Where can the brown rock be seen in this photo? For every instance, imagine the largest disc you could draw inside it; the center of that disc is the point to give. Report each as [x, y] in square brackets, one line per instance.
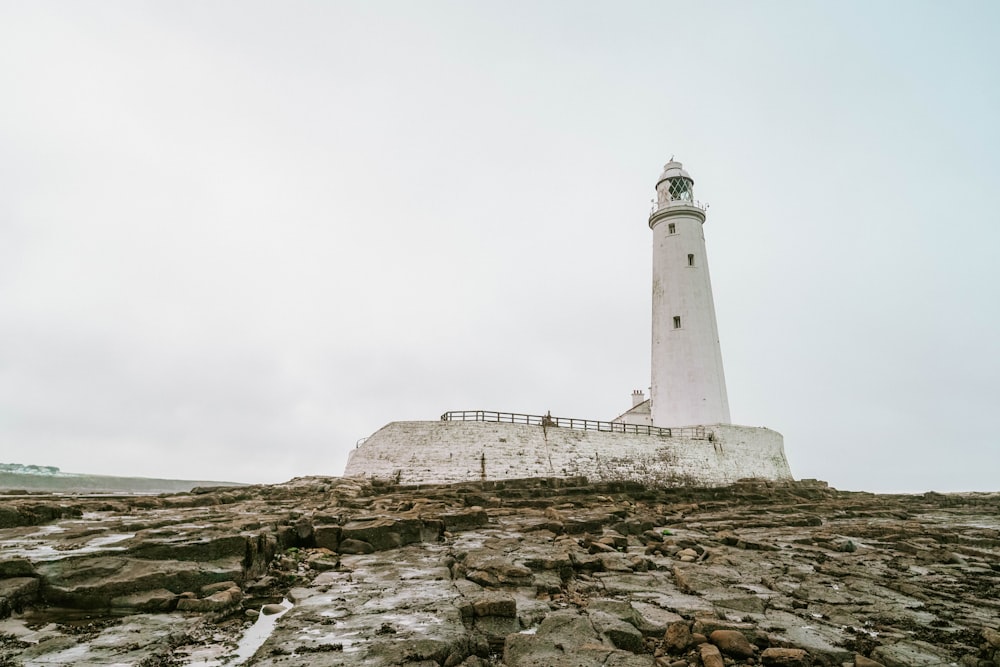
[323, 562]
[710, 656]
[596, 547]
[513, 574]
[687, 555]
[677, 637]
[383, 532]
[862, 661]
[271, 609]
[614, 539]
[473, 517]
[495, 604]
[352, 546]
[785, 657]
[16, 567]
[732, 643]
[483, 578]
[621, 634]
[148, 601]
[327, 537]
[19, 588]
[214, 602]
[992, 637]
[208, 589]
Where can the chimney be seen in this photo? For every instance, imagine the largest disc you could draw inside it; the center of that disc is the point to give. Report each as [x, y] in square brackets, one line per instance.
[637, 397]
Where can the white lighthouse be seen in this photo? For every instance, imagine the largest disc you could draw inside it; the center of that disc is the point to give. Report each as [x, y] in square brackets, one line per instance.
[686, 438]
[688, 384]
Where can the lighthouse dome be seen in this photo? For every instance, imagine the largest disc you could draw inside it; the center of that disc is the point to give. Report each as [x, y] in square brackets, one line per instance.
[673, 169]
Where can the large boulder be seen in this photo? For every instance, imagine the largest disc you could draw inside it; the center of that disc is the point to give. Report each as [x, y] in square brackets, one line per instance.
[466, 519]
[219, 601]
[16, 592]
[384, 532]
[157, 600]
[562, 635]
[677, 637]
[710, 656]
[786, 657]
[16, 567]
[732, 643]
[327, 536]
[494, 604]
[203, 548]
[93, 582]
[622, 635]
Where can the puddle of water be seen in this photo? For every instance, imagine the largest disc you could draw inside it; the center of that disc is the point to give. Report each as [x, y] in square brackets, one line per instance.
[257, 634]
[972, 521]
[35, 550]
[28, 549]
[252, 639]
[99, 542]
[71, 656]
[413, 622]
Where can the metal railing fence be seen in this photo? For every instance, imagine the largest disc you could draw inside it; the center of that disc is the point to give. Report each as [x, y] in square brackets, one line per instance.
[570, 422]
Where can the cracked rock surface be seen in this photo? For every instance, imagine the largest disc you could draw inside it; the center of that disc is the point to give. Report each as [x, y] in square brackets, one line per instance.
[526, 573]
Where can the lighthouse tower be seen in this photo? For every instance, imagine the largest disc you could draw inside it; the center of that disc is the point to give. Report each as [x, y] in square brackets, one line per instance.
[688, 384]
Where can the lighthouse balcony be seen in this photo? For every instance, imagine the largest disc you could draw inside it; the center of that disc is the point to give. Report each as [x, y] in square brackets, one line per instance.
[676, 207]
[677, 203]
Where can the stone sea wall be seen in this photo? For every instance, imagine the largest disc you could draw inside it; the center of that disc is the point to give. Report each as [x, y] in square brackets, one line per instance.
[452, 451]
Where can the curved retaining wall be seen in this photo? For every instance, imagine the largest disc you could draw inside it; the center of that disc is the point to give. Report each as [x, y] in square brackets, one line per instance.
[442, 452]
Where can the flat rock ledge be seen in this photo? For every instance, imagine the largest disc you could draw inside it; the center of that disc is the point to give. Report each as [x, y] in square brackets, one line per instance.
[525, 573]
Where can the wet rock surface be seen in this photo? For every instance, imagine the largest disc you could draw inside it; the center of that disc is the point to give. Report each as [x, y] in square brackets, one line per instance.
[540, 573]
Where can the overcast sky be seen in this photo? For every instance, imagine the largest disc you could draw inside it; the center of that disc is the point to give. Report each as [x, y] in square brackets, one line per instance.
[236, 237]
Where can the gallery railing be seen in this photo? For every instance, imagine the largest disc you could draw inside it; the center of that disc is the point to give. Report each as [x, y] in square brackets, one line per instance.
[657, 206]
[569, 422]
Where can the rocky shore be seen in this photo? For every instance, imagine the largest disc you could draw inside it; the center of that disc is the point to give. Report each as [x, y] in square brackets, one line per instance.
[525, 573]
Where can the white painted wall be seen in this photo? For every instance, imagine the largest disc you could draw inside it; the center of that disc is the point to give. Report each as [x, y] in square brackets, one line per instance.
[688, 383]
[441, 452]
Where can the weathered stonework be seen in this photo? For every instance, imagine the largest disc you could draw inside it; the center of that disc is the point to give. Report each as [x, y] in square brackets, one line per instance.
[441, 452]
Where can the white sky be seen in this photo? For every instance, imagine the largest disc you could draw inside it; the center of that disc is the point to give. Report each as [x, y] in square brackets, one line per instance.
[236, 237]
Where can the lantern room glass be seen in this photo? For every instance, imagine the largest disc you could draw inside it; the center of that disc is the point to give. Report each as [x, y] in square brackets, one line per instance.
[680, 189]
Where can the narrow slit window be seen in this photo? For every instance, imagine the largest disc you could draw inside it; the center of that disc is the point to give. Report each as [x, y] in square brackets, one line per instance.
[690, 260]
[677, 321]
[671, 228]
